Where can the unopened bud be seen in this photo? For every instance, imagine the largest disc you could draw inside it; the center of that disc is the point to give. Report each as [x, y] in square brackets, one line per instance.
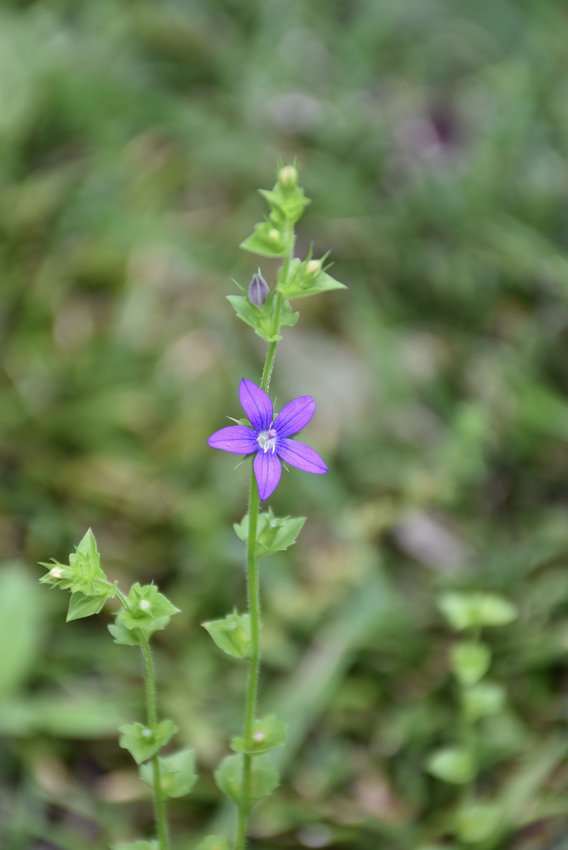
[258, 736]
[56, 572]
[288, 177]
[144, 605]
[313, 267]
[274, 234]
[258, 290]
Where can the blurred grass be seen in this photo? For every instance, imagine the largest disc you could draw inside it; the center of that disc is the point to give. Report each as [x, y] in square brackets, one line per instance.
[432, 139]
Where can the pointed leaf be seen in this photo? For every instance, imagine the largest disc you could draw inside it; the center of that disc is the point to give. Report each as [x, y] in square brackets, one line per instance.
[229, 777]
[142, 742]
[231, 634]
[470, 661]
[84, 606]
[451, 764]
[269, 733]
[268, 241]
[274, 534]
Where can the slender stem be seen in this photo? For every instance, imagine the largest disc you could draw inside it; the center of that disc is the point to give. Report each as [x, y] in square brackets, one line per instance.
[152, 719]
[253, 593]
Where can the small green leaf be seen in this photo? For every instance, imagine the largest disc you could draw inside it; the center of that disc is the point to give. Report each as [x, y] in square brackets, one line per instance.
[136, 845]
[268, 240]
[451, 764]
[229, 777]
[474, 610]
[83, 574]
[124, 636]
[148, 610]
[274, 534]
[177, 773]
[142, 742]
[84, 606]
[286, 205]
[477, 822]
[258, 318]
[231, 634]
[305, 278]
[483, 700]
[213, 842]
[470, 661]
[269, 733]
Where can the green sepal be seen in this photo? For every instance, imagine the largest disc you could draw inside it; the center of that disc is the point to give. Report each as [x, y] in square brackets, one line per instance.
[147, 610]
[269, 733]
[142, 742]
[483, 700]
[229, 777]
[273, 534]
[305, 278]
[83, 574]
[476, 822]
[269, 240]
[451, 764]
[177, 773]
[475, 610]
[136, 845]
[286, 205]
[84, 606]
[213, 842]
[231, 634]
[470, 661]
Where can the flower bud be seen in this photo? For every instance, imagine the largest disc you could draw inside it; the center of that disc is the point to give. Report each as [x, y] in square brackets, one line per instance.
[288, 177]
[258, 290]
[313, 267]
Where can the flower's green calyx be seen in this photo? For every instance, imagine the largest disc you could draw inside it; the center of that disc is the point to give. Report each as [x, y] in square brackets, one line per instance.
[145, 611]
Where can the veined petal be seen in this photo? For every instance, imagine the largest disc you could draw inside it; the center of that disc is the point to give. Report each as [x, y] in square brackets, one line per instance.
[267, 469]
[294, 416]
[237, 439]
[256, 405]
[301, 456]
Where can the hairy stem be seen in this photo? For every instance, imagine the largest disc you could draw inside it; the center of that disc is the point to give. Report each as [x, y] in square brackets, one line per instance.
[253, 595]
[152, 719]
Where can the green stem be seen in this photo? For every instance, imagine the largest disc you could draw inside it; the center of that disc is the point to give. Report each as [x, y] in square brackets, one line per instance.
[253, 594]
[152, 719]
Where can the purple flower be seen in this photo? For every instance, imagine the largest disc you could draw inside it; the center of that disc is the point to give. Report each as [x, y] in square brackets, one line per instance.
[269, 437]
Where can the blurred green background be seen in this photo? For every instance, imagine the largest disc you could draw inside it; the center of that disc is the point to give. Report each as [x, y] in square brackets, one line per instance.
[432, 137]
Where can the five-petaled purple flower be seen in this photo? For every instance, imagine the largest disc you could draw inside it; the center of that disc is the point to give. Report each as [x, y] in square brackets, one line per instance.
[269, 437]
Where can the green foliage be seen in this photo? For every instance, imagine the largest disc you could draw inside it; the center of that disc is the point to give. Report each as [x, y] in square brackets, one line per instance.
[136, 845]
[231, 634]
[274, 534]
[229, 777]
[470, 661]
[307, 278]
[21, 627]
[269, 733]
[177, 773]
[146, 611]
[483, 700]
[262, 318]
[452, 764]
[477, 822]
[475, 610]
[142, 742]
[213, 842]
[268, 241]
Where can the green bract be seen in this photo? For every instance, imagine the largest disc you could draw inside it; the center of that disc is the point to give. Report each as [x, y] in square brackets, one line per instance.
[262, 318]
[269, 733]
[268, 240]
[142, 742]
[146, 611]
[306, 278]
[231, 634]
[177, 773]
[274, 534]
[229, 777]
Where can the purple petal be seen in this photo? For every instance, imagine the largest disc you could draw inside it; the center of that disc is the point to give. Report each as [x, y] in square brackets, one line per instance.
[256, 405]
[267, 469]
[301, 456]
[294, 416]
[237, 439]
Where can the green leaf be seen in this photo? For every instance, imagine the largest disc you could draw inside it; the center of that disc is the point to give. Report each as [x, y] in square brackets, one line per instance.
[484, 699]
[124, 636]
[229, 777]
[177, 773]
[148, 610]
[268, 240]
[474, 610]
[269, 733]
[231, 634]
[136, 845]
[213, 842]
[286, 205]
[21, 625]
[274, 534]
[84, 606]
[142, 742]
[259, 318]
[451, 764]
[477, 822]
[83, 574]
[470, 661]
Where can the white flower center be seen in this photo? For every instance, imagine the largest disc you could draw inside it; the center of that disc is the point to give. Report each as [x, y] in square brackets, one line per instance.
[267, 440]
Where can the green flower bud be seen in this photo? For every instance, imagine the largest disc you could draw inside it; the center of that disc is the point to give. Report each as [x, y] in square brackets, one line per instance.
[288, 177]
